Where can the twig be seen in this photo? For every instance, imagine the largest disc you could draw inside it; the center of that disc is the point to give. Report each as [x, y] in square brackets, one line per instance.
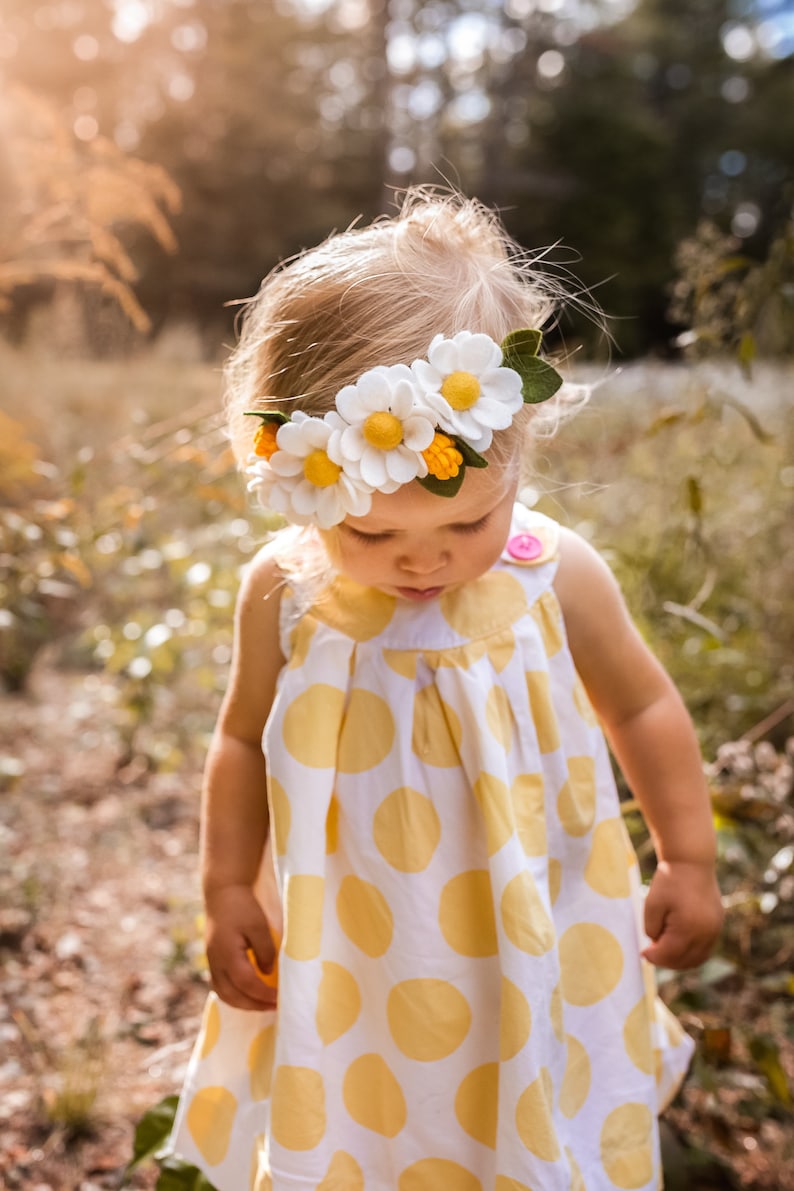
[771, 721]
[697, 618]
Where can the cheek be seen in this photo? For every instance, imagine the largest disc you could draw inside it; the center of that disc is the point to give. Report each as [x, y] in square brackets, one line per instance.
[358, 560]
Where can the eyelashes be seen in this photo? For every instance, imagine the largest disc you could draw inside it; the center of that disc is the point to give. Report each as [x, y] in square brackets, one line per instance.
[374, 539]
[368, 539]
[473, 526]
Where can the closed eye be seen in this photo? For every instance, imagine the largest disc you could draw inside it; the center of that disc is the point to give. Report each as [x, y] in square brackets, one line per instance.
[472, 526]
[368, 539]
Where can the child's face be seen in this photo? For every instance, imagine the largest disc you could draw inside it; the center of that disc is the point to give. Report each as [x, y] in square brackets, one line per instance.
[416, 545]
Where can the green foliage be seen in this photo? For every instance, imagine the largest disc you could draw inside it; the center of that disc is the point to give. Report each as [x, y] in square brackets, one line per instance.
[731, 303]
[682, 476]
[151, 1145]
[69, 1075]
[610, 137]
[125, 556]
[688, 489]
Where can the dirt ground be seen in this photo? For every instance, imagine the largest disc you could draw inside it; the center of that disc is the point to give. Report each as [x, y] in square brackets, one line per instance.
[98, 901]
[101, 968]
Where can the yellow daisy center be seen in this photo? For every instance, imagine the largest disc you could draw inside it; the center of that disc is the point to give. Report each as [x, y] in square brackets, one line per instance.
[461, 390]
[320, 470]
[383, 430]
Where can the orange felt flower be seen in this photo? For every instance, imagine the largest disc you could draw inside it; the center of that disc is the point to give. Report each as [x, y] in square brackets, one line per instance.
[265, 440]
[442, 457]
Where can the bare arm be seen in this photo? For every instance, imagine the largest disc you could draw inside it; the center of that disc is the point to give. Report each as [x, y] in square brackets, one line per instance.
[651, 735]
[234, 823]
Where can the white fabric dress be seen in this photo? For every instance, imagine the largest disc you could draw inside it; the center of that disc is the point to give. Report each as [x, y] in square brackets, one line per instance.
[462, 1003]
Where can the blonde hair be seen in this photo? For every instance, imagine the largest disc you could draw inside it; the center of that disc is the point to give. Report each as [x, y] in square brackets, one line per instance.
[377, 295]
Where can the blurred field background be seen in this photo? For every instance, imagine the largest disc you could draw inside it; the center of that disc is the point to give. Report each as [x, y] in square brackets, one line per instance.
[157, 157]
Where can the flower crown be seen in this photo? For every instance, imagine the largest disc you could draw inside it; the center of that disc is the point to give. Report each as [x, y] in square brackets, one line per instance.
[427, 422]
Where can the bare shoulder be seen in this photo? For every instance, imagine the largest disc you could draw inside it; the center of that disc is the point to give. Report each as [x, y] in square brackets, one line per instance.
[262, 578]
[584, 584]
[257, 659]
[616, 666]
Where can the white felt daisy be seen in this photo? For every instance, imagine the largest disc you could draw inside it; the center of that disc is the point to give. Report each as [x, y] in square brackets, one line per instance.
[386, 432]
[303, 480]
[466, 389]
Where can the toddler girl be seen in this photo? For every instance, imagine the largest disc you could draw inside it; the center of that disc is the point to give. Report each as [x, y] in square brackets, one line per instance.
[425, 931]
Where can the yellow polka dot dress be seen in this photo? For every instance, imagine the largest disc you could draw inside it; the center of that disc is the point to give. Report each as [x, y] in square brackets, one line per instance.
[462, 1005]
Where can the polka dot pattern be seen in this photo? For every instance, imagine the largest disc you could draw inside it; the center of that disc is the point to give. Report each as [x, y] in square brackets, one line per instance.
[515, 1021]
[526, 922]
[494, 798]
[534, 1119]
[280, 815]
[373, 1096]
[365, 916]
[428, 1019]
[367, 733]
[437, 734]
[577, 800]
[477, 1104]
[430, 1174]
[300, 641]
[626, 1147]
[461, 1002]
[260, 1062]
[210, 1028]
[210, 1117]
[344, 1174]
[298, 1108]
[606, 870]
[311, 725]
[499, 716]
[577, 1079]
[332, 827]
[528, 794]
[304, 902]
[338, 1002]
[465, 608]
[591, 960]
[546, 614]
[637, 1037]
[543, 713]
[360, 613]
[466, 915]
[406, 829]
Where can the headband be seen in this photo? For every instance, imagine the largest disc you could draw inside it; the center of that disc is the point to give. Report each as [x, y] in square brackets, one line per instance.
[427, 422]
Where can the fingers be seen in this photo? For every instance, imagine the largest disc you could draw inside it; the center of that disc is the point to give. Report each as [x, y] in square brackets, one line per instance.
[239, 986]
[678, 942]
[244, 973]
[670, 952]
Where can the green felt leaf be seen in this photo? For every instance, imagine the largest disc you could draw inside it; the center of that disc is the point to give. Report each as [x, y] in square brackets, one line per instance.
[471, 458]
[448, 487]
[539, 380]
[525, 342]
[267, 415]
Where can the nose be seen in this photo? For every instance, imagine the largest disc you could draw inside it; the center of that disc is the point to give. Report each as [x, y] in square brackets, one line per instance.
[423, 558]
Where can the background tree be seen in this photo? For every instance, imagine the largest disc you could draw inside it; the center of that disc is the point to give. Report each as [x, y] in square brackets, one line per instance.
[283, 119]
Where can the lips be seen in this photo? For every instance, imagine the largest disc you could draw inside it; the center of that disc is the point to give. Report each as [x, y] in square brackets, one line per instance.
[419, 593]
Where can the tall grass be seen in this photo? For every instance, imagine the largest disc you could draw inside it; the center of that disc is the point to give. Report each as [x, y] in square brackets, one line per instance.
[682, 476]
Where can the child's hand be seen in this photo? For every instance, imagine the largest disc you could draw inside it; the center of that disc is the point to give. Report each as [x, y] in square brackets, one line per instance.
[683, 914]
[236, 924]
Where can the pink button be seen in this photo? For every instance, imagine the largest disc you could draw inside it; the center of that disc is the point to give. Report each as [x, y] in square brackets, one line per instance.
[524, 547]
